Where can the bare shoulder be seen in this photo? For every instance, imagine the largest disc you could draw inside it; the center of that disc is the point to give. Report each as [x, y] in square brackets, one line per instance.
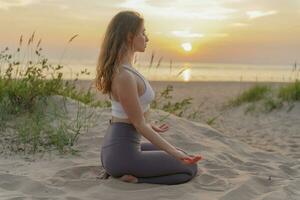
[124, 78]
[124, 82]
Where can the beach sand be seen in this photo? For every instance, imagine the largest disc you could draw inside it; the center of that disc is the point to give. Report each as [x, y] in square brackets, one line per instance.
[253, 156]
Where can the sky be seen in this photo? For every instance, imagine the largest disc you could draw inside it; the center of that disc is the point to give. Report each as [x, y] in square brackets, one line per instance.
[205, 31]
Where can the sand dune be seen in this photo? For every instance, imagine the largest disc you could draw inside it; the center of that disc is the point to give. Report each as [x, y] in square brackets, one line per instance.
[245, 157]
[231, 169]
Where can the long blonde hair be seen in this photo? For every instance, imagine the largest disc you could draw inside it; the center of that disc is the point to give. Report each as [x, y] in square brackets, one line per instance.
[114, 46]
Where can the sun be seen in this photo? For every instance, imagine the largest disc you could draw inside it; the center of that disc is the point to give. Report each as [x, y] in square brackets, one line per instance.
[186, 46]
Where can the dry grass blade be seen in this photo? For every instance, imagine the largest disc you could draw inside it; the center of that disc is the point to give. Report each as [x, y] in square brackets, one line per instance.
[29, 41]
[151, 60]
[72, 38]
[39, 43]
[21, 40]
[181, 71]
[159, 61]
[32, 36]
[171, 65]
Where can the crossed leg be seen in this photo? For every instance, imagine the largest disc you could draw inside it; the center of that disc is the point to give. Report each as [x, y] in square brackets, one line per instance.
[158, 167]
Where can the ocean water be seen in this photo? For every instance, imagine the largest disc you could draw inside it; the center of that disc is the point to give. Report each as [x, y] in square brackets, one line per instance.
[184, 72]
[202, 72]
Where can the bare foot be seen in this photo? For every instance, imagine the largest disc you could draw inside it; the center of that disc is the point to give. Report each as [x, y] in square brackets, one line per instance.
[129, 178]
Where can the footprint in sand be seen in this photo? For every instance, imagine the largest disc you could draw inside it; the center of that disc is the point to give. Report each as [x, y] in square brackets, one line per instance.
[78, 178]
[79, 172]
[221, 170]
[226, 172]
[211, 183]
[27, 186]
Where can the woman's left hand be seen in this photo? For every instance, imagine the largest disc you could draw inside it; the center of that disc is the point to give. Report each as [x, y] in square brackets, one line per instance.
[160, 129]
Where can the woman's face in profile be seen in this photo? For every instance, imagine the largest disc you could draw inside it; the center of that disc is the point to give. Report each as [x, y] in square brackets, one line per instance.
[140, 40]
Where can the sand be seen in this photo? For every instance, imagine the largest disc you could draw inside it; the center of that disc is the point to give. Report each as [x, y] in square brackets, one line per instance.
[253, 156]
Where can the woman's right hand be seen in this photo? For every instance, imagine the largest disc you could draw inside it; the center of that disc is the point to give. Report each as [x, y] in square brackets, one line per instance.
[186, 158]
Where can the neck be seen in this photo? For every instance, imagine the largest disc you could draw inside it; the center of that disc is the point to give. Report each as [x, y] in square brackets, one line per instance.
[128, 58]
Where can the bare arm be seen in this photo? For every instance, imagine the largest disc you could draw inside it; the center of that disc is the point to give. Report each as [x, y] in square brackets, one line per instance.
[128, 97]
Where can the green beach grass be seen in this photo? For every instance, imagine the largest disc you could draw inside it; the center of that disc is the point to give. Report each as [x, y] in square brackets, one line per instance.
[267, 98]
[25, 88]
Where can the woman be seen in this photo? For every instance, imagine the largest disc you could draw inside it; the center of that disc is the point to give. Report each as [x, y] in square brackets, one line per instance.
[122, 154]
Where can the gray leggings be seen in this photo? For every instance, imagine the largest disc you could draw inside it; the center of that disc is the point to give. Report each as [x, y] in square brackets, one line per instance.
[123, 153]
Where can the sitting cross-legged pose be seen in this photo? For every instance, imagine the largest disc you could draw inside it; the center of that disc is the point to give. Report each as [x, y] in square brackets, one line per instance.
[123, 155]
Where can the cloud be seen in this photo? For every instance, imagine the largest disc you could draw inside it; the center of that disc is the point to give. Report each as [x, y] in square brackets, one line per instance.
[186, 34]
[238, 24]
[257, 13]
[184, 9]
[6, 4]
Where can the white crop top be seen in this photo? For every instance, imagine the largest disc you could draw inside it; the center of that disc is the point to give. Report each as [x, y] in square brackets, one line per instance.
[145, 99]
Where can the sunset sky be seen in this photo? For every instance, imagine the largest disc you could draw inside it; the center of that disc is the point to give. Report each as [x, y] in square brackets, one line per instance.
[206, 31]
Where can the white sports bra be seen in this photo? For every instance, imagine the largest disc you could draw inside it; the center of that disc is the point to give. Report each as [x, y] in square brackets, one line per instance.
[145, 99]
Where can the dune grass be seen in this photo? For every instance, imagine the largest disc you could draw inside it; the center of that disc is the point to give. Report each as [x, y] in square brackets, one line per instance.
[163, 101]
[290, 92]
[268, 98]
[26, 83]
[253, 94]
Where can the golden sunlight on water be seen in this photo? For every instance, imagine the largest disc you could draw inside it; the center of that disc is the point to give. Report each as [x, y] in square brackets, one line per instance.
[186, 74]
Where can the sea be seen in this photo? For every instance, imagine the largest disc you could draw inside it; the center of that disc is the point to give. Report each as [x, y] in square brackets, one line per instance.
[187, 72]
[190, 72]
